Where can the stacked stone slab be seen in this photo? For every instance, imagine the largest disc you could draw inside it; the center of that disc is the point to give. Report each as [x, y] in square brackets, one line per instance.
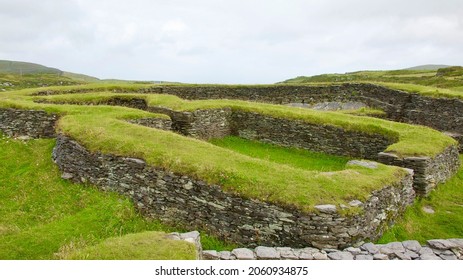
[27, 123]
[437, 249]
[445, 114]
[217, 123]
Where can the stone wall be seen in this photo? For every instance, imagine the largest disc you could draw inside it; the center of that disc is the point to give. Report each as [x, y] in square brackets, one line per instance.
[445, 114]
[321, 138]
[158, 123]
[27, 123]
[428, 172]
[193, 204]
[436, 249]
[216, 123]
[202, 124]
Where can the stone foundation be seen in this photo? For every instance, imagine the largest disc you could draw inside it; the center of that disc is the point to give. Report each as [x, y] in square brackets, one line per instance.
[437, 249]
[27, 123]
[193, 204]
[428, 172]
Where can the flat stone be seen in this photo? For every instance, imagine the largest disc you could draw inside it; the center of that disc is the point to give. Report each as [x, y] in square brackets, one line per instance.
[225, 255]
[442, 244]
[412, 245]
[363, 163]
[353, 251]
[380, 257]
[174, 236]
[341, 256]
[243, 254]
[449, 257]
[364, 257]
[326, 208]
[403, 256]
[210, 255]
[429, 257]
[67, 176]
[320, 256]
[266, 253]
[136, 160]
[458, 243]
[370, 248]
[392, 248]
[192, 234]
[428, 210]
[411, 254]
[287, 253]
[355, 203]
[426, 251]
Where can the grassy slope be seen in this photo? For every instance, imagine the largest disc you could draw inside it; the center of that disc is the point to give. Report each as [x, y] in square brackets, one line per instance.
[140, 246]
[446, 222]
[41, 214]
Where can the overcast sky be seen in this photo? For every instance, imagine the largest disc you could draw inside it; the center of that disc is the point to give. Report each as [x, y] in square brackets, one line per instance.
[230, 41]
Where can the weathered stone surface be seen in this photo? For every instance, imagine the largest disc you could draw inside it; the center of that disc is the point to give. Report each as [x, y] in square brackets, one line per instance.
[370, 248]
[210, 255]
[243, 254]
[429, 257]
[27, 124]
[353, 251]
[363, 163]
[320, 256]
[441, 244]
[225, 255]
[266, 253]
[326, 208]
[341, 256]
[355, 203]
[428, 209]
[412, 245]
[380, 257]
[287, 253]
[364, 257]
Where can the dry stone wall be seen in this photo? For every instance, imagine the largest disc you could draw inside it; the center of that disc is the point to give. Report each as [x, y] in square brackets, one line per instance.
[217, 123]
[436, 249]
[445, 114]
[295, 133]
[27, 123]
[182, 200]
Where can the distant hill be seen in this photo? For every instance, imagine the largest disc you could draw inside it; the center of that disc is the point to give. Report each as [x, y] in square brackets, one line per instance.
[28, 68]
[20, 68]
[428, 67]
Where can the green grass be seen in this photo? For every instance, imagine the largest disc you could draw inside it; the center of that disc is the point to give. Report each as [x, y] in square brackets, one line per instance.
[42, 215]
[139, 246]
[446, 222]
[293, 157]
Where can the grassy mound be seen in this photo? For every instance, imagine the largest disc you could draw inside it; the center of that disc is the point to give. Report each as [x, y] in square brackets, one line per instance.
[138, 246]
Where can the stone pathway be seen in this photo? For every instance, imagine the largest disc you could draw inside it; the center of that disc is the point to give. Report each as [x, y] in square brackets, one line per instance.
[437, 249]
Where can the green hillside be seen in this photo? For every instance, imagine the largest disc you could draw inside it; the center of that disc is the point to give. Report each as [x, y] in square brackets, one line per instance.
[448, 78]
[21, 68]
